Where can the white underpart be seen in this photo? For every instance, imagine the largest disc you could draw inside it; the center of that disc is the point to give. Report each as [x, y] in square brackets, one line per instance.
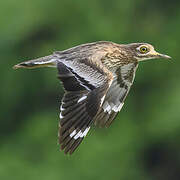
[82, 98]
[80, 134]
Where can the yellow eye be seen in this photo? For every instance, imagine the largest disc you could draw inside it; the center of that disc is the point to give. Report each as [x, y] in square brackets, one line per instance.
[143, 49]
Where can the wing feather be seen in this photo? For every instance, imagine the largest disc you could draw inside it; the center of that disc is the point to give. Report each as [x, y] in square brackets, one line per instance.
[114, 99]
[85, 84]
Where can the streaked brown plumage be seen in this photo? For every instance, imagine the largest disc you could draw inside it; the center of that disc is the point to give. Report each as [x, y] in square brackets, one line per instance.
[97, 78]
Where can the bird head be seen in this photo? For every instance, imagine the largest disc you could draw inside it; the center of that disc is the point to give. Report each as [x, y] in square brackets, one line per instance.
[145, 51]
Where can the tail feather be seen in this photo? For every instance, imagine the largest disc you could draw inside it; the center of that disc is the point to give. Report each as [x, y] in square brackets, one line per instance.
[47, 61]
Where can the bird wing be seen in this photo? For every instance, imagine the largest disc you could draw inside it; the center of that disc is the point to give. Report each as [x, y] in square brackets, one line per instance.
[114, 99]
[85, 85]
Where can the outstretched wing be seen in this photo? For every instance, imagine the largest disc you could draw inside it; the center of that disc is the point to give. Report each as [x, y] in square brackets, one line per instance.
[85, 85]
[114, 99]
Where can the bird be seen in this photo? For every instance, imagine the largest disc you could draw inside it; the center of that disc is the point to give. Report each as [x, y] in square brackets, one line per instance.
[96, 78]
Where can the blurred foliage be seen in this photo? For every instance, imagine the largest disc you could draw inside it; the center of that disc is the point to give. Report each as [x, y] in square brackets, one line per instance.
[142, 143]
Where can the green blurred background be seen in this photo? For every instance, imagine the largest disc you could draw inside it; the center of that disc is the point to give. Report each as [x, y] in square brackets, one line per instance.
[143, 142]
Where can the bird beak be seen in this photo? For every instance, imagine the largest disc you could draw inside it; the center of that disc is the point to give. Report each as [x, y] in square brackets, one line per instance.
[158, 55]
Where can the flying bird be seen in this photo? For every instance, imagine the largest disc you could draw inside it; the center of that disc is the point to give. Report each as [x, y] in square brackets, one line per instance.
[96, 78]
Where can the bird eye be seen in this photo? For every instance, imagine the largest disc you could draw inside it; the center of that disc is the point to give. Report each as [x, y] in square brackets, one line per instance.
[143, 49]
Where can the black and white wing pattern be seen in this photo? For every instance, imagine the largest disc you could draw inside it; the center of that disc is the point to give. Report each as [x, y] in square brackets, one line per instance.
[85, 86]
[114, 99]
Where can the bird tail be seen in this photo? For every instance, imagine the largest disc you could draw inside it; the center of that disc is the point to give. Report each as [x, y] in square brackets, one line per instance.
[47, 61]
